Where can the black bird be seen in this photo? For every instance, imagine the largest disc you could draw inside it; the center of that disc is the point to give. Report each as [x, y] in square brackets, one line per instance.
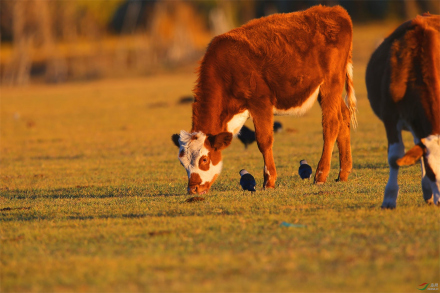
[247, 181]
[186, 100]
[246, 136]
[304, 171]
[277, 127]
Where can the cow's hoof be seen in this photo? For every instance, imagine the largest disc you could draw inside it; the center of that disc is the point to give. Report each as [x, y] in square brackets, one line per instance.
[269, 185]
[388, 206]
[342, 179]
[430, 201]
[320, 177]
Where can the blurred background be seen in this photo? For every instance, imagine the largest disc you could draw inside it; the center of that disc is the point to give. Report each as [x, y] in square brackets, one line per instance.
[80, 40]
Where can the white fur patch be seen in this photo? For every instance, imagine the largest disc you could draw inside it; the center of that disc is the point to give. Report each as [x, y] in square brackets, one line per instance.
[234, 125]
[266, 171]
[350, 70]
[350, 100]
[432, 144]
[193, 150]
[301, 110]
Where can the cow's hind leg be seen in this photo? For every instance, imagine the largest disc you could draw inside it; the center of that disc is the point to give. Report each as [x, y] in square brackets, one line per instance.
[396, 150]
[263, 122]
[426, 185]
[343, 140]
[330, 97]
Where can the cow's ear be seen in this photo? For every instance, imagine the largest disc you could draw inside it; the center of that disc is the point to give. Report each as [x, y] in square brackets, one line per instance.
[411, 156]
[220, 141]
[175, 138]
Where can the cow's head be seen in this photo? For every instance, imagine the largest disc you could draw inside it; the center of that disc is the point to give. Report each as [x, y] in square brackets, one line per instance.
[200, 155]
[429, 150]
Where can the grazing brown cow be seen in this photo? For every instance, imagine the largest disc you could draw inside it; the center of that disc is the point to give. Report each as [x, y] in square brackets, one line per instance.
[403, 82]
[279, 64]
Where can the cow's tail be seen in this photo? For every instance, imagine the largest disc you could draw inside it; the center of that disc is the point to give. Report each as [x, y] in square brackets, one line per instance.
[350, 98]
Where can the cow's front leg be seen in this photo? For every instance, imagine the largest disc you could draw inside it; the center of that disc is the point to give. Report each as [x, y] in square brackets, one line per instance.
[264, 135]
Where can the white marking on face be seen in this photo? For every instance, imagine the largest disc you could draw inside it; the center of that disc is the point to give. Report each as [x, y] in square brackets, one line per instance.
[213, 170]
[301, 110]
[234, 125]
[193, 148]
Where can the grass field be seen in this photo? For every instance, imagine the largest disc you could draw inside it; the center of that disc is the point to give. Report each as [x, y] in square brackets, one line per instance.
[93, 199]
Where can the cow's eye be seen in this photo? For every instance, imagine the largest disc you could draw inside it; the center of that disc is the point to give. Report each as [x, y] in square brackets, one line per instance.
[204, 163]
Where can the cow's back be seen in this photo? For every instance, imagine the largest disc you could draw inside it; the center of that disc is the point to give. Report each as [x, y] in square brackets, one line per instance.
[292, 38]
[296, 32]
[397, 77]
[281, 55]
[377, 77]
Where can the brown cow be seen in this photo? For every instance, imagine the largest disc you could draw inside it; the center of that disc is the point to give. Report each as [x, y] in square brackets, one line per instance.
[403, 82]
[279, 64]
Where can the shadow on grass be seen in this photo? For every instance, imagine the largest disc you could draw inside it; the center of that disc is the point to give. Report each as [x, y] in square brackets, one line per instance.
[371, 165]
[87, 192]
[34, 216]
[127, 216]
[45, 158]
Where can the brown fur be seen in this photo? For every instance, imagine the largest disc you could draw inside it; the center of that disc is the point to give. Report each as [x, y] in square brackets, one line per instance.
[204, 163]
[280, 60]
[215, 144]
[415, 63]
[411, 156]
[219, 141]
[403, 83]
[403, 78]
[215, 157]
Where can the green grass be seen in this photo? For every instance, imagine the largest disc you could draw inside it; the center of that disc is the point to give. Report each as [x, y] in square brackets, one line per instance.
[97, 199]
